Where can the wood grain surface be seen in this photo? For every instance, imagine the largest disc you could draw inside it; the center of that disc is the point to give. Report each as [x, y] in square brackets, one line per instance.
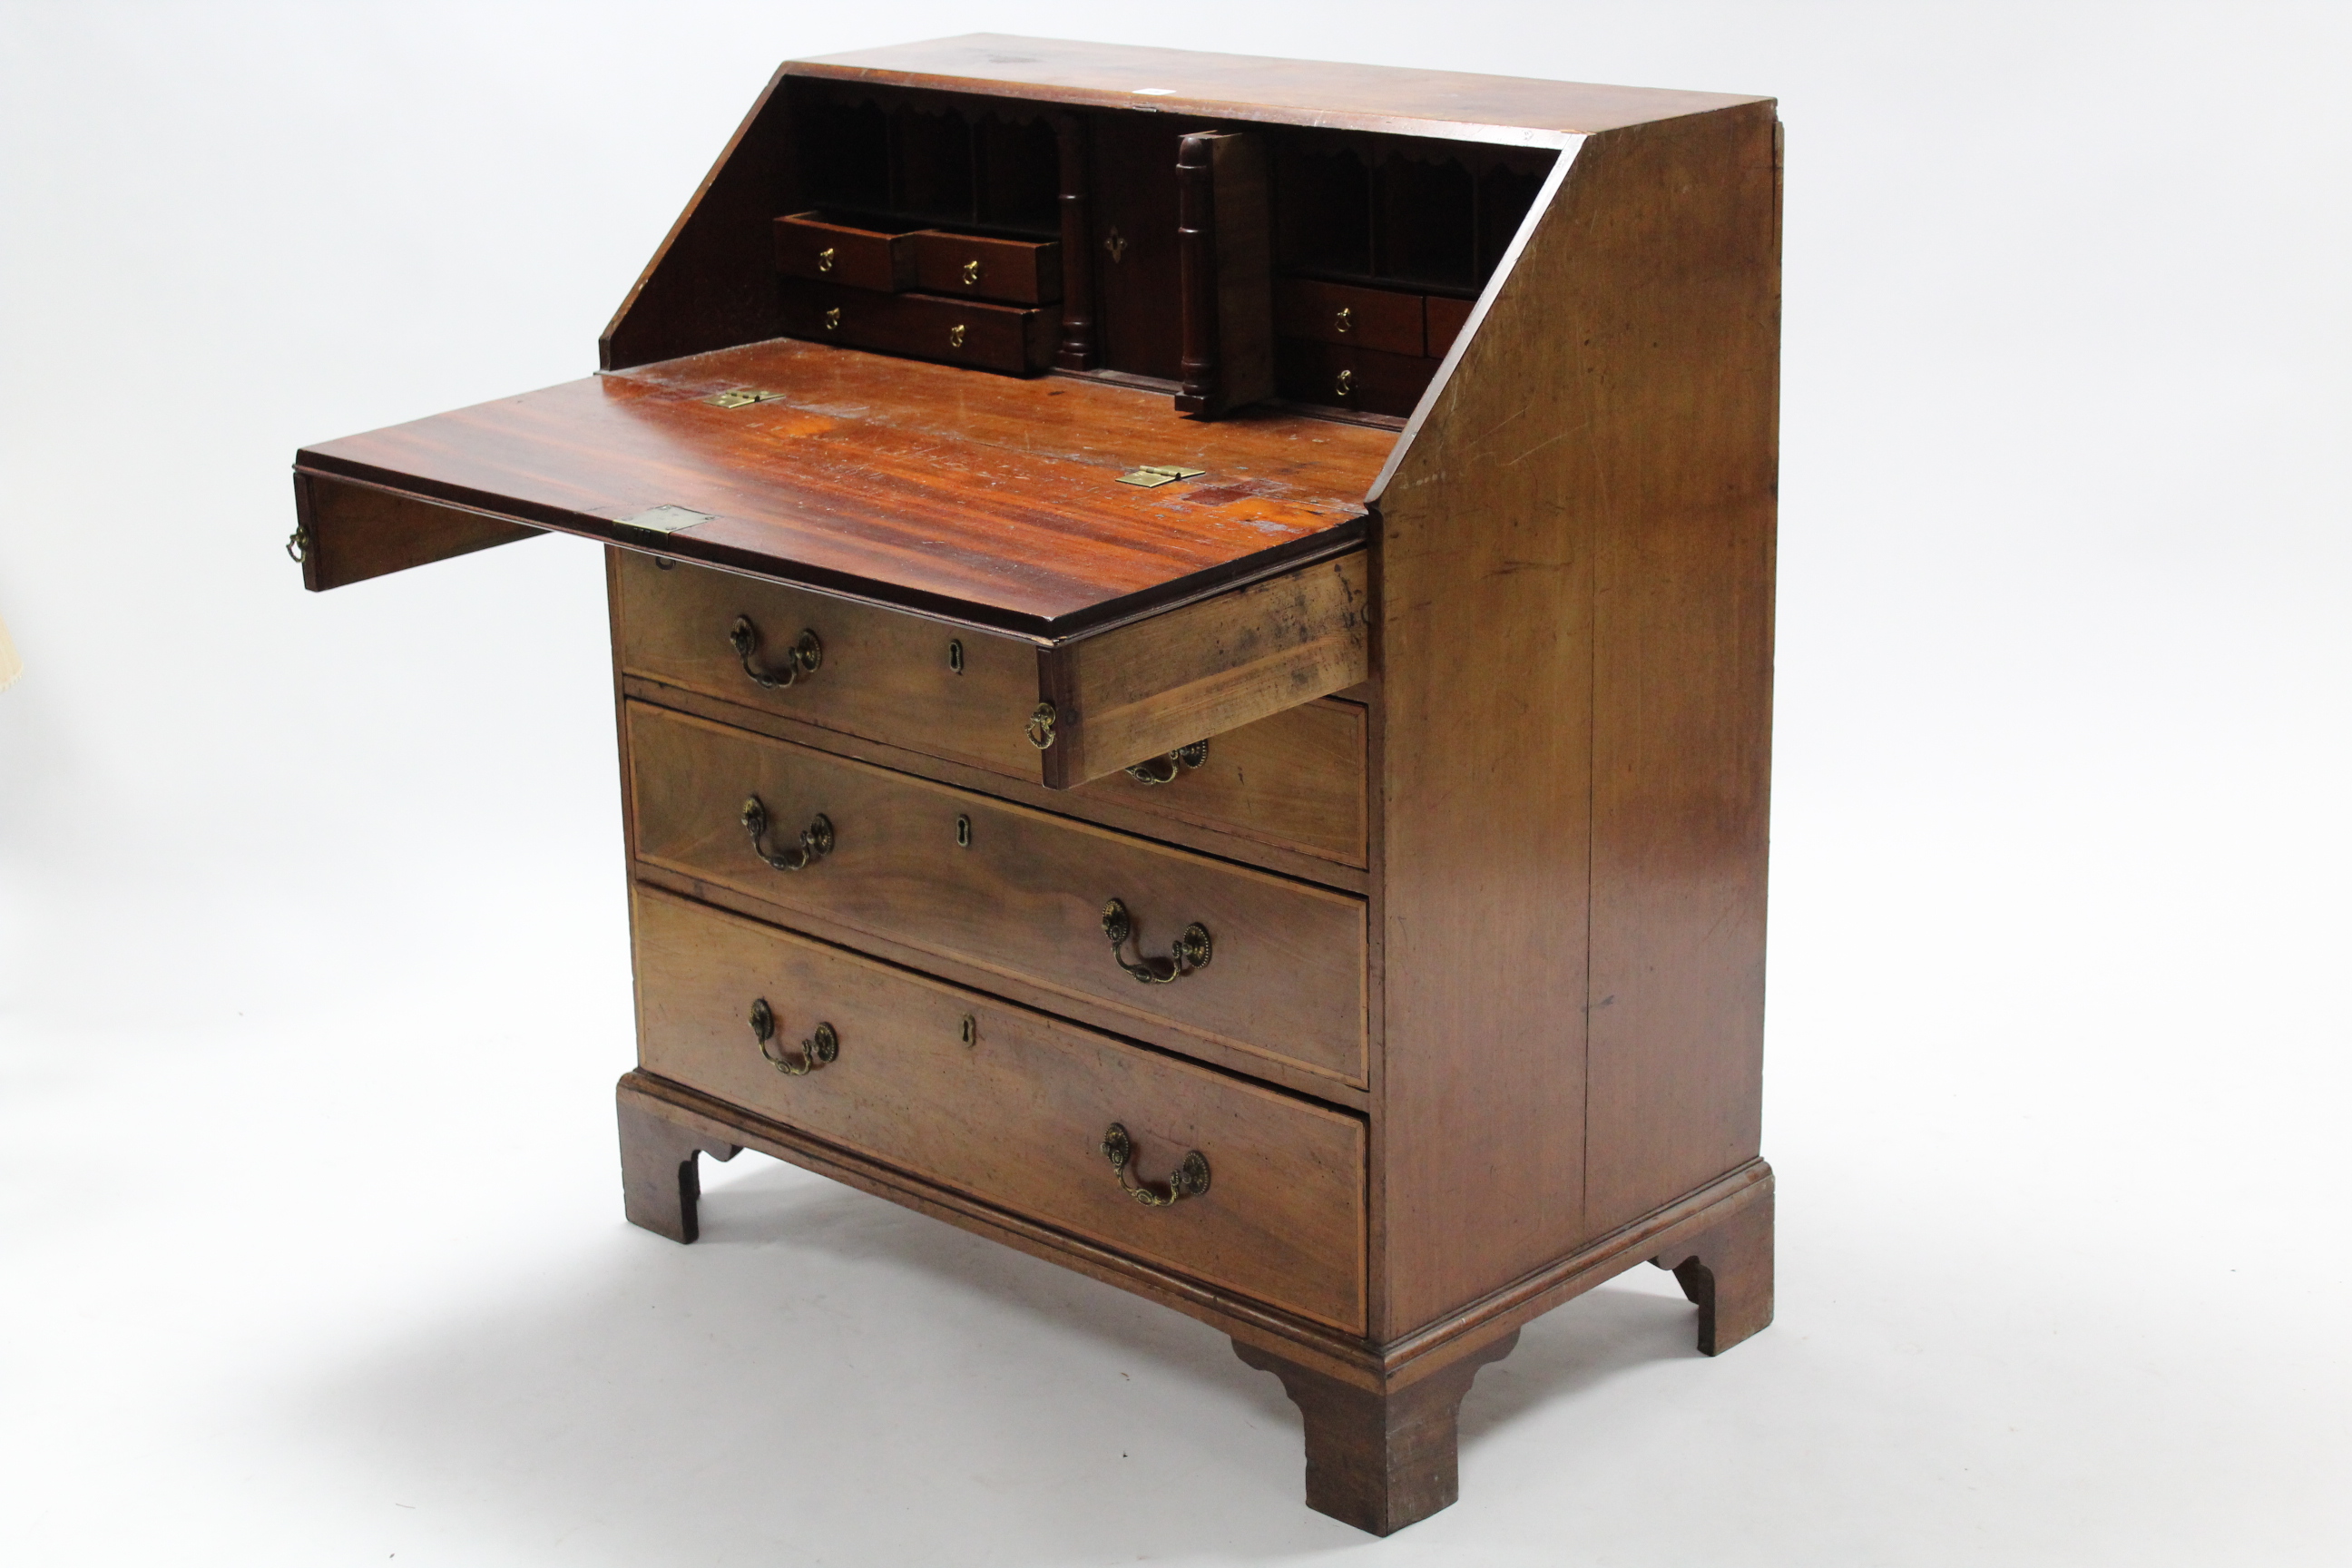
[1286, 794]
[1569, 744]
[1382, 320]
[1124, 696]
[984, 498]
[349, 533]
[884, 673]
[1682, 671]
[1024, 897]
[809, 247]
[1244, 87]
[974, 334]
[1150, 686]
[1380, 1458]
[1349, 1357]
[1020, 271]
[1016, 1116]
[1293, 779]
[712, 283]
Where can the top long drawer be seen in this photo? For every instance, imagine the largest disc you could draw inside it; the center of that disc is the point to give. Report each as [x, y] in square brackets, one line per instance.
[1057, 715]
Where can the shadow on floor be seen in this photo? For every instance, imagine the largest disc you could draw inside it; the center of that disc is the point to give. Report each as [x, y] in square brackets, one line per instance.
[828, 1377]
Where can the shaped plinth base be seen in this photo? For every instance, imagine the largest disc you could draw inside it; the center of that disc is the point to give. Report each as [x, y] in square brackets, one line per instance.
[1727, 1272]
[1380, 1460]
[660, 1186]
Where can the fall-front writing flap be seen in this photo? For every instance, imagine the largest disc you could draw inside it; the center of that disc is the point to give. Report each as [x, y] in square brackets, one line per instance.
[1044, 507]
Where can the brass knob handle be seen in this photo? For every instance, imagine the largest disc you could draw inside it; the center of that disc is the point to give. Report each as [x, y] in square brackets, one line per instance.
[971, 273]
[816, 839]
[799, 661]
[955, 337]
[1345, 385]
[821, 1047]
[824, 259]
[1191, 951]
[1190, 1180]
[1041, 726]
[832, 318]
[1162, 769]
[1345, 320]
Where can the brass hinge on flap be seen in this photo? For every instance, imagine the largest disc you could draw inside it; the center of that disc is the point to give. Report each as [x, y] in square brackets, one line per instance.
[1149, 474]
[662, 519]
[740, 397]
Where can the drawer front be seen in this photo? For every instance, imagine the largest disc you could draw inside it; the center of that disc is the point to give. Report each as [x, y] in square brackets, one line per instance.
[890, 677]
[1005, 888]
[1349, 377]
[1376, 318]
[808, 247]
[1008, 338]
[1446, 320]
[1295, 780]
[1010, 1106]
[967, 266]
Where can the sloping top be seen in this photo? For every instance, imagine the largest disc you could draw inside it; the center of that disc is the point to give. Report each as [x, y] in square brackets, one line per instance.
[1451, 104]
[984, 497]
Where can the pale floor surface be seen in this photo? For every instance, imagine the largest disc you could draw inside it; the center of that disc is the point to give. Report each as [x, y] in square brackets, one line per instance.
[346, 1282]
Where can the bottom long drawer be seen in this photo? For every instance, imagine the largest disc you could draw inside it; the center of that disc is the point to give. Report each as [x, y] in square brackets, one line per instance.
[1008, 1105]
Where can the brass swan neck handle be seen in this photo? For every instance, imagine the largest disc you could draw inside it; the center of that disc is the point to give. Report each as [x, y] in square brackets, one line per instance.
[800, 660]
[820, 1048]
[1190, 1179]
[816, 839]
[1162, 769]
[1191, 952]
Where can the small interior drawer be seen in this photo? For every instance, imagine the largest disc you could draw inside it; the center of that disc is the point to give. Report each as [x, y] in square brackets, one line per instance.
[808, 246]
[1378, 319]
[1014, 339]
[974, 266]
[1009, 1105]
[1446, 318]
[997, 887]
[1346, 376]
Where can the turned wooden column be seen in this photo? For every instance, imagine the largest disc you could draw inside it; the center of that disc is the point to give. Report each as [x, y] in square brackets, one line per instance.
[1076, 350]
[1380, 1458]
[1196, 251]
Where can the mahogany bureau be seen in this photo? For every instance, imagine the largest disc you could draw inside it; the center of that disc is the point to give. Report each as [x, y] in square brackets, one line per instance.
[1193, 644]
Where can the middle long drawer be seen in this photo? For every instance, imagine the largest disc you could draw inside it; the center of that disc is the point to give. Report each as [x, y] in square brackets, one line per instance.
[1000, 887]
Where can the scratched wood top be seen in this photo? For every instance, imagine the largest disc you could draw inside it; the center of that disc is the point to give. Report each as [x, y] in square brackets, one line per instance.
[1455, 104]
[953, 492]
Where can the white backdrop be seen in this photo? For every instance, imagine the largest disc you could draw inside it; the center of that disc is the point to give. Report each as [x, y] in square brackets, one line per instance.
[313, 953]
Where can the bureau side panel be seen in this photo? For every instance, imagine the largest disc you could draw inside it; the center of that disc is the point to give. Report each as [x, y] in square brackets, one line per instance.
[1683, 676]
[1569, 897]
[712, 284]
[1481, 753]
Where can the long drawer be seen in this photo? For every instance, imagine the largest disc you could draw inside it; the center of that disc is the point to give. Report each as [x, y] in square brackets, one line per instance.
[1293, 779]
[1007, 889]
[1008, 1105]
